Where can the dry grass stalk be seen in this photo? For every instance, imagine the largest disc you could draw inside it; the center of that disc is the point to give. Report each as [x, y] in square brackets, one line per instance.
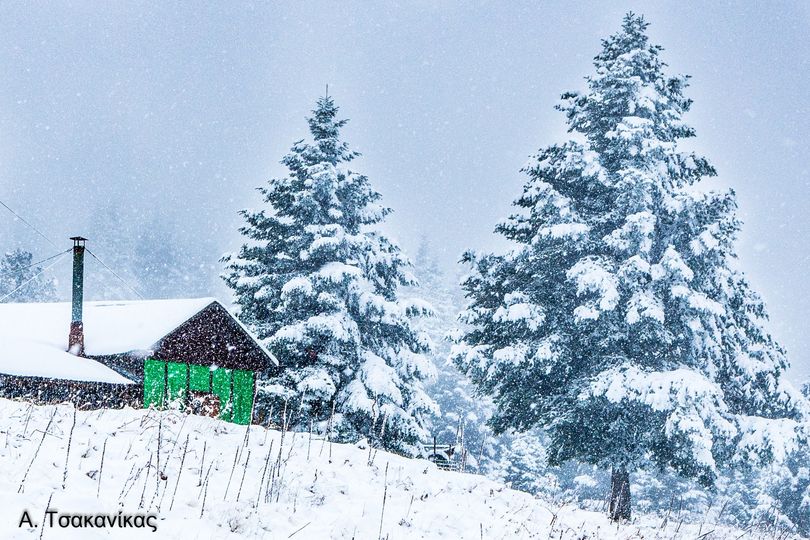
[27, 418]
[202, 464]
[385, 496]
[179, 472]
[146, 480]
[246, 439]
[206, 476]
[481, 452]
[233, 468]
[179, 432]
[309, 442]
[36, 453]
[264, 472]
[126, 482]
[158, 471]
[47, 507]
[205, 494]
[299, 530]
[101, 468]
[329, 434]
[67, 452]
[244, 472]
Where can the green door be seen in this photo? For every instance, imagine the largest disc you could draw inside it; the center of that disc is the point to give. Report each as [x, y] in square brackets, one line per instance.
[169, 381]
[199, 378]
[221, 386]
[177, 380]
[154, 383]
[242, 396]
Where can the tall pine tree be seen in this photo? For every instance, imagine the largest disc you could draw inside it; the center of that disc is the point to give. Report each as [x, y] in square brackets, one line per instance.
[619, 323]
[318, 283]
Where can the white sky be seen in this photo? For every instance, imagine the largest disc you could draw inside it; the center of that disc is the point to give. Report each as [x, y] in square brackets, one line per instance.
[175, 111]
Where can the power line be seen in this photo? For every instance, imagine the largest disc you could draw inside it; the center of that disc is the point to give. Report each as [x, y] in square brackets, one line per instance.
[130, 287]
[43, 260]
[18, 216]
[40, 233]
[34, 276]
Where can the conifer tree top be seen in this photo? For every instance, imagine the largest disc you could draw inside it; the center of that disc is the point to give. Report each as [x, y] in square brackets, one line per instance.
[325, 130]
[631, 101]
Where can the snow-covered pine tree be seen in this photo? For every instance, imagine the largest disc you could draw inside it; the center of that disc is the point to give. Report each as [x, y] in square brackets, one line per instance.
[318, 283]
[522, 465]
[780, 494]
[462, 416]
[619, 323]
[21, 281]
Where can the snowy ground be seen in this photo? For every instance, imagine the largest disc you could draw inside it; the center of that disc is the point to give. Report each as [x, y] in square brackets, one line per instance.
[256, 483]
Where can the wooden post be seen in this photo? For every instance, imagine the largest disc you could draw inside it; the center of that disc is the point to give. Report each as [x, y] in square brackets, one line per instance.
[619, 508]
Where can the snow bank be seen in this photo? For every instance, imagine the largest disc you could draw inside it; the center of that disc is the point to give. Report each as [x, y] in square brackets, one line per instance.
[254, 483]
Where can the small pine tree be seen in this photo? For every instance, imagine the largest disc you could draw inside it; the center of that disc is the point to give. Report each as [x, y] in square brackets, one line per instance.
[319, 283]
[21, 281]
[522, 465]
[619, 323]
[784, 492]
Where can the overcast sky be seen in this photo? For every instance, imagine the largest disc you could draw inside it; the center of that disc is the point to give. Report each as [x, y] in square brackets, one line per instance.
[176, 111]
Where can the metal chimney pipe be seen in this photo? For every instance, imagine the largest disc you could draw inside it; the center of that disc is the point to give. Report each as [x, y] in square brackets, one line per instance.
[76, 335]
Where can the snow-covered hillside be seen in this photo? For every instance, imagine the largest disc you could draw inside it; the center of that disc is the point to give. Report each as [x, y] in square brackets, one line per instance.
[204, 478]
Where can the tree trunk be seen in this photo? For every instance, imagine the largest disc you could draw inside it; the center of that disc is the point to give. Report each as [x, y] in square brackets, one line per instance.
[619, 508]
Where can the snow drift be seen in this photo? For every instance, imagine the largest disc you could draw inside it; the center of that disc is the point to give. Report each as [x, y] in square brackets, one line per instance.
[204, 478]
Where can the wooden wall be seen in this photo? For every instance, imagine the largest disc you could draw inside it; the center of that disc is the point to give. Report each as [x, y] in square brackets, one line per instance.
[84, 395]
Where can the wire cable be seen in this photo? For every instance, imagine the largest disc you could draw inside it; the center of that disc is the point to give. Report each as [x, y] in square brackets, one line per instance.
[130, 287]
[34, 276]
[43, 260]
[18, 216]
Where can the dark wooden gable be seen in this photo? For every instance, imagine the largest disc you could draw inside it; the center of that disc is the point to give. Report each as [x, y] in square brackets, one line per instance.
[213, 337]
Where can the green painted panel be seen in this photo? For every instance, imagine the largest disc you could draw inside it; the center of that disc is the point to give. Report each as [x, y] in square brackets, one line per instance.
[221, 386]
[242, 396]
[199, 378]
[177, 380]
[154, 382]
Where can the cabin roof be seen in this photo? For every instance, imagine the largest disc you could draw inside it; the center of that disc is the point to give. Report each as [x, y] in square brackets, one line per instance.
[35, 359]
[33, 336]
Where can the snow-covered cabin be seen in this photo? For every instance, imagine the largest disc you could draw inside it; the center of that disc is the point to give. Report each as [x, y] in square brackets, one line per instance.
[136, 353]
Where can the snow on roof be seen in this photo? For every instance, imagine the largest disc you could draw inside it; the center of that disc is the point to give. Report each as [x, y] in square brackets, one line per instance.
[109, 327]
[32, 359]
[33, 337]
